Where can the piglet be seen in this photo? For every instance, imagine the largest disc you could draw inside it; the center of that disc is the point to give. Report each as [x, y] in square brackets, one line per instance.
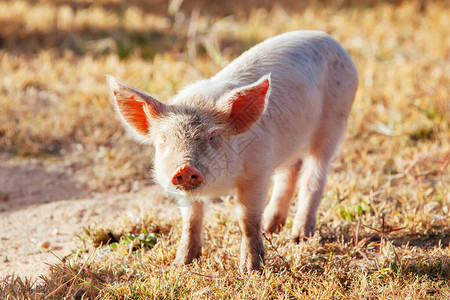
[276, 112]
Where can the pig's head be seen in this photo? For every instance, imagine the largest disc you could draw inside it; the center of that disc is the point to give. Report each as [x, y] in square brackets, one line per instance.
[195, 150]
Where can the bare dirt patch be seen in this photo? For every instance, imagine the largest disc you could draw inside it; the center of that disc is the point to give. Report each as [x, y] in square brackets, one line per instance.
[44, 207]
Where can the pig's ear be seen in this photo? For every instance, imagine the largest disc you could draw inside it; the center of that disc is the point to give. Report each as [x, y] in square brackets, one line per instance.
[244, 106]
[136, 109]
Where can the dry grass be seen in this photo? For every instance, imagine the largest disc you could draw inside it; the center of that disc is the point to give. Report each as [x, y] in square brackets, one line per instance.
[383, 226]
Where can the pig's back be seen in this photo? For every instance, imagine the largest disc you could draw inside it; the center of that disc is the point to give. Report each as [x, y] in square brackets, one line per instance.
[298, 62]
[293, 52]
[312, 77]
[299, 57]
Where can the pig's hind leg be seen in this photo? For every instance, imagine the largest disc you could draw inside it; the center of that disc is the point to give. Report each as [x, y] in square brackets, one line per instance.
[339, 92]
[276, 211]
[313, 177]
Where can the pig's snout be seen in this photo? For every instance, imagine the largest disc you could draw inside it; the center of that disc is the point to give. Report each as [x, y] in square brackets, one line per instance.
[187, 177]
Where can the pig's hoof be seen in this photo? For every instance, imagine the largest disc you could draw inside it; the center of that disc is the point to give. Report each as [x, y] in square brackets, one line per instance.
[252, 263]
[186, 258]
[304, 231]
[180, 261]
[251, 268]
[274, 224]
[298, 239]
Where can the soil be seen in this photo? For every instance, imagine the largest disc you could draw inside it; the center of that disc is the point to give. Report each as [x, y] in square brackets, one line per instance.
[44, 207]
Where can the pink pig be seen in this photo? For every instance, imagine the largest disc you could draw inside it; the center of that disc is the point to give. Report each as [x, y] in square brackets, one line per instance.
[276, 112]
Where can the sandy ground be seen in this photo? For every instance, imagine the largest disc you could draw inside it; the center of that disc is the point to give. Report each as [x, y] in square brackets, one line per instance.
[43, 207]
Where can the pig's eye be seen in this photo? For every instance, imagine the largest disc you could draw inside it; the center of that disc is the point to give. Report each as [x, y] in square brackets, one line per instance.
[212, 137]
[163, 141]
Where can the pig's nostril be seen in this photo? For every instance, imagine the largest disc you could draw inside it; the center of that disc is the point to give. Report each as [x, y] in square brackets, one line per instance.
[194, 177]
[180, 178]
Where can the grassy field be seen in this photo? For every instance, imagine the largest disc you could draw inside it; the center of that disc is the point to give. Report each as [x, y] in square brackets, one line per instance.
[384, 223]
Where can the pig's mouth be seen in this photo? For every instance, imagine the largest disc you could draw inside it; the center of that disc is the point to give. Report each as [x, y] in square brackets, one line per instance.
[187, 187]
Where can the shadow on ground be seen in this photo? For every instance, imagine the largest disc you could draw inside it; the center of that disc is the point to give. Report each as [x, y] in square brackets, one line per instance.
[25, 184]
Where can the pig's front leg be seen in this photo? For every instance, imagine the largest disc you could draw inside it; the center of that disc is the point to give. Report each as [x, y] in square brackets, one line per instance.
[190, 246]
[277, 209]
[251, 198]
